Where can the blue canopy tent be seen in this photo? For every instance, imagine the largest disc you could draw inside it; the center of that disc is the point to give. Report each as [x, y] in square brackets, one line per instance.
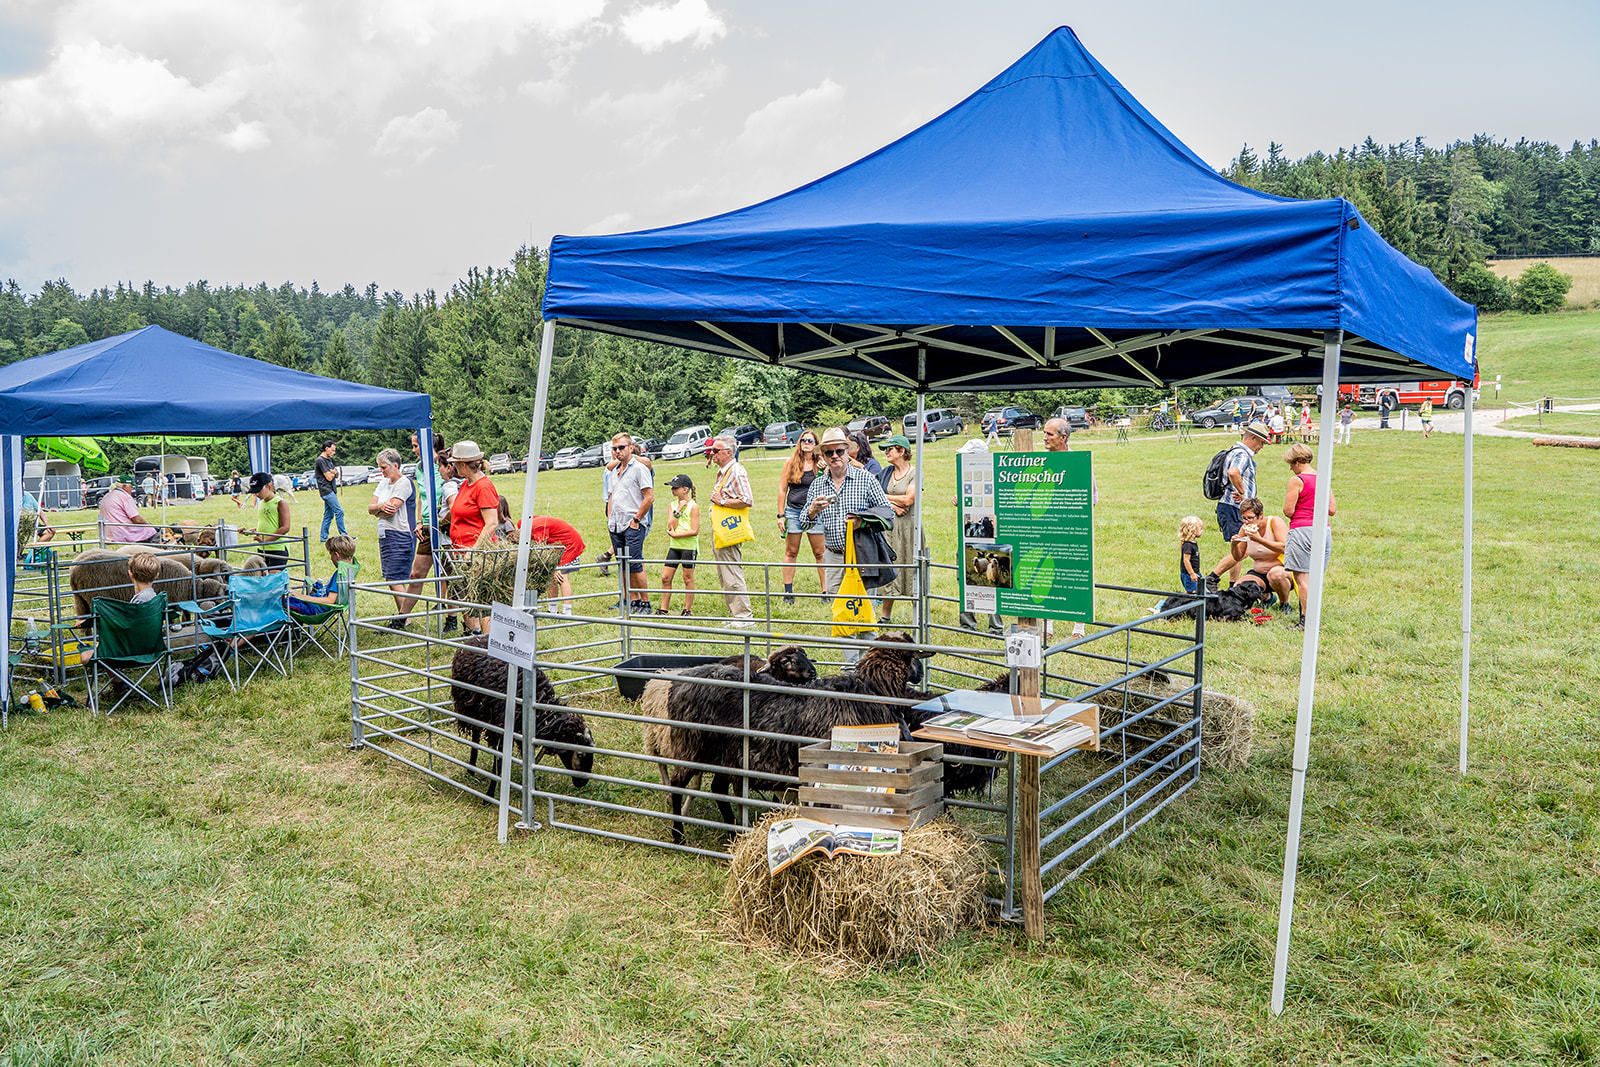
[1045, 233]
[153, 380]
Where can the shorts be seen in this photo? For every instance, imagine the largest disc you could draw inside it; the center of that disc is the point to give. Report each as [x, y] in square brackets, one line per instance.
[1190, 585]
[424, 544]
[682, 557]
[629, 542]
[1228, 520]
[794, 520]
[396, 552]
[1297, 550]
[277, 558]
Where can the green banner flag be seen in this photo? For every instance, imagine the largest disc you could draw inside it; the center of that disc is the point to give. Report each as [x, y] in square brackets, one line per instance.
[1027, 534]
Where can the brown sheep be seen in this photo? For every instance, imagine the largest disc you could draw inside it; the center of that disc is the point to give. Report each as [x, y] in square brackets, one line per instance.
[99, 572]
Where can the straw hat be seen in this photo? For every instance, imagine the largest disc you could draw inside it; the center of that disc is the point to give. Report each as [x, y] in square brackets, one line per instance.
[465, 450]
[833, 435]
[1260, 429]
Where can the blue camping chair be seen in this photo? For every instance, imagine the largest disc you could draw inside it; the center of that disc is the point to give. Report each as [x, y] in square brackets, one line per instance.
[130, 645]
[251, 626]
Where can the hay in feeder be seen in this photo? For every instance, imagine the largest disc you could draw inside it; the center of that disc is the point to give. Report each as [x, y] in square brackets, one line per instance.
[1227, 722]
[860, 909]
[488, 574]
[27, 526]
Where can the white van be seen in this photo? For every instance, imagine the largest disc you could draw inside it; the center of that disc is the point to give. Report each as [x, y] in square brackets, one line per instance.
[689, 441]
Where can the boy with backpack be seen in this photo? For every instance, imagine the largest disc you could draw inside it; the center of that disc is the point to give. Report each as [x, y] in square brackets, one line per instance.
[1230, 479]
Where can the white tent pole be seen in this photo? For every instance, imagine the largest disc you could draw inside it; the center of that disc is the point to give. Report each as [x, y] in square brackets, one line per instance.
[923, 606]
[1331, 342]
[1466, 577]
[519, 597]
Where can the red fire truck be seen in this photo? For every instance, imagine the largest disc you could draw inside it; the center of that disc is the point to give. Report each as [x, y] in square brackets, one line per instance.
[1387, 396]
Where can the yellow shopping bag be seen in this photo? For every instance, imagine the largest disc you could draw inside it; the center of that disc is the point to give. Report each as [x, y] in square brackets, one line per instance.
[729, 526]
[852, 609]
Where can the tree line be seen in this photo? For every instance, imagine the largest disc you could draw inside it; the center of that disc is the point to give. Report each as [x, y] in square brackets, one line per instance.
[474, 349]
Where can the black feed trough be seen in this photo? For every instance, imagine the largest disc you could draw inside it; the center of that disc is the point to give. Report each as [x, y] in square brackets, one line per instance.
[633, 688]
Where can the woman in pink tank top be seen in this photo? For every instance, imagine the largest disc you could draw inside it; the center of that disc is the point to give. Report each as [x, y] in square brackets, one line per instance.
[1299, 503]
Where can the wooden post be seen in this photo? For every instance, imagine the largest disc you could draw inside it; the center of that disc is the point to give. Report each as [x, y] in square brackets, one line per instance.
[1028, 781]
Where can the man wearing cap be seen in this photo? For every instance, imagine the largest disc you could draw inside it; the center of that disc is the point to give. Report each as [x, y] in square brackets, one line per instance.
[1241, 474]
[731, 494]
[632, 496]
[327, 475]
[843, 491]
[119, 515]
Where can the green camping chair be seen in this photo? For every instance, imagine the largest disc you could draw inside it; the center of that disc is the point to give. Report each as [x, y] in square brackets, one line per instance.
[130, 645]
[329, 627]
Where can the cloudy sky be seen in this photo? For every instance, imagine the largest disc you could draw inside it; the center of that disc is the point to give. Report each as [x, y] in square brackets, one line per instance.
[403, 141]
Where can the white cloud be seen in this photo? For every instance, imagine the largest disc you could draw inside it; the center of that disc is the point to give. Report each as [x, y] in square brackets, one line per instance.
[774, 122]
[420, 134]
[656, 106]
[246, 137]
[552, 89]
[616, 222]
[654, 26]
[114, 93]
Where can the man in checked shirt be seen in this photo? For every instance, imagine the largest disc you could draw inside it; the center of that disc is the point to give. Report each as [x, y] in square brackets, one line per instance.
[841, 492]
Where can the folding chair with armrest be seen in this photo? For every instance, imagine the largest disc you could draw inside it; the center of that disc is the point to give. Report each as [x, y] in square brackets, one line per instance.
[332, 620]
[130, 644]
[257, 626]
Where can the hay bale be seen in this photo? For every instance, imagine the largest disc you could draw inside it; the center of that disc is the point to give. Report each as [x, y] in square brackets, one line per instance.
[1227, 722]
[488, 574]
[858, 908]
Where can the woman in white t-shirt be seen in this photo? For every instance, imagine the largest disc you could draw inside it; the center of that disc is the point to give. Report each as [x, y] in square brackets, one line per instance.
[395, 507]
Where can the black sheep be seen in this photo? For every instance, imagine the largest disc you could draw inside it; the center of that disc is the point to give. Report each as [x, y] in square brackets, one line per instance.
[881, 672]
[481, 715]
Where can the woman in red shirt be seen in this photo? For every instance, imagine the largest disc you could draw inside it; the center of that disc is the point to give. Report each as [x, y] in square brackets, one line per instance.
[476, 508]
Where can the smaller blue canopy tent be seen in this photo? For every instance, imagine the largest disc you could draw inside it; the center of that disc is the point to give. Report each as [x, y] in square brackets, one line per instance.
[155, 381]
[1044, 233]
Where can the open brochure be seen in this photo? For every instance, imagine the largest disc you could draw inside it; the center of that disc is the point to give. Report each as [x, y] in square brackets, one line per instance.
[1010, 723]
[789, 839]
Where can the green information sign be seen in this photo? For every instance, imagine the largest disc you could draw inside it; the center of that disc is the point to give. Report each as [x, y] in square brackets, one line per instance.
[1027, 534]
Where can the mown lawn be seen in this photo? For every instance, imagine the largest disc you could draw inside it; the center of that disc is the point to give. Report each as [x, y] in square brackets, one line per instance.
[1539, 355]
[230, 883]
[1568, 423]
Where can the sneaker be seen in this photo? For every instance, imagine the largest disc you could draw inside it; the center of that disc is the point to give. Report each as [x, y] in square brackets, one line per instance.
[788, 598]
[742, 624]
[686, 613]
[661, 611]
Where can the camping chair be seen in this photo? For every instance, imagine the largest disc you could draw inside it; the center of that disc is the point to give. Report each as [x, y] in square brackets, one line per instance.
[256, 629]
[130, 644]
[332, 624]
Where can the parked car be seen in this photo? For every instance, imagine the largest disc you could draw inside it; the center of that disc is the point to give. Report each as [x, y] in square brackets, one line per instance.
[355, 474]
[782, 435]
[650, 447]
[1077, 418]
[1246, 406]
[686, 442]
[408, 470]
[743, 435]
[500, 463]
[595, 455]
[547, 460]
[98, 488]
[875, 426]
[1003, 420]
[936, 422]
[567, 458]
[1276, 394]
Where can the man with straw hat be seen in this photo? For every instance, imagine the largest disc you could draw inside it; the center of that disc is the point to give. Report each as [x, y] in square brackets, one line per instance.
[1240, 471]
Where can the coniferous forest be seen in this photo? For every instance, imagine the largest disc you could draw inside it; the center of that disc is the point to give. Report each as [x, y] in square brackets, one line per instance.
[475, 348]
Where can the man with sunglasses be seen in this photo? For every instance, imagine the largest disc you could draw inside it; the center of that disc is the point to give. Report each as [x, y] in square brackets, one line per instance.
[731, 492]
[841, 492]
[632, 496]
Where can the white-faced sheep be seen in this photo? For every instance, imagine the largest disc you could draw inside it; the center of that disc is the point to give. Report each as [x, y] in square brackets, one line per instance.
[881, 672]
[483, 716]
[103, 573]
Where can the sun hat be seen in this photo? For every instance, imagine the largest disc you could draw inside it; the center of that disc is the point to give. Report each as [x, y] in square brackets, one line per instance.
[833, 435]
[1259, 428]
[896, 440]
[464, 450]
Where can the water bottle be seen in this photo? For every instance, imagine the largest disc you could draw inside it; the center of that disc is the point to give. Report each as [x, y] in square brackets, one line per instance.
[34, 637]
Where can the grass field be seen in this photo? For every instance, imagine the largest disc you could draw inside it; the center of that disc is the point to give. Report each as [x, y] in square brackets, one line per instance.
[1574, 423]
[1583, 270]
[229, 883]
[1539, 355]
